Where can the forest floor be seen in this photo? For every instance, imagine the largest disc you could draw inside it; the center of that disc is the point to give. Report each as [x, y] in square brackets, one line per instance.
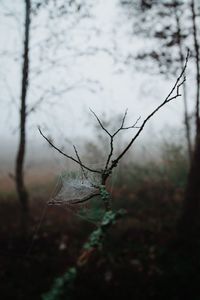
[141, 257]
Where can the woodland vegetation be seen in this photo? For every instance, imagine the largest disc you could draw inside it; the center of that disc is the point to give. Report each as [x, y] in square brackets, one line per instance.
[123, 227]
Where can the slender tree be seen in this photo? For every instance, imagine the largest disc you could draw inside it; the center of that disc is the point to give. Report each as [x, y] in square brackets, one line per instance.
[190, 221]
[181, 58]
[20, 184]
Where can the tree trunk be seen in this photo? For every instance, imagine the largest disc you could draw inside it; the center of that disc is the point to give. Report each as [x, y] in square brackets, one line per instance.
[181, 55]
[190, 221]
[186, 117]
[20, 185]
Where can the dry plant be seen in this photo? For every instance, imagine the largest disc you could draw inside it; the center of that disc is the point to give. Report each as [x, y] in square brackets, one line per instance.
[94, 242]
[112, 162]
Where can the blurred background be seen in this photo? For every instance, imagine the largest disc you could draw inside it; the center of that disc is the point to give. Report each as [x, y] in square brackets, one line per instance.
[60, 62]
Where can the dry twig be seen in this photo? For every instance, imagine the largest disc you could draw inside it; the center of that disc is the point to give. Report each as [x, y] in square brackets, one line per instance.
[110, 164]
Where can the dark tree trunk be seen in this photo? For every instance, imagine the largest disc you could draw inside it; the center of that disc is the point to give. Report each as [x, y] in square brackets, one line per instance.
[181, 55]
[190, 221]
[20, 185]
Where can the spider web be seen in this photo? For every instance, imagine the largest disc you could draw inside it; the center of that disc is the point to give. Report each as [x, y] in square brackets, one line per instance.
[79, 193]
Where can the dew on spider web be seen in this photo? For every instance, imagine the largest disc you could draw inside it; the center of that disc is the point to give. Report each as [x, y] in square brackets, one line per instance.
[74, 191]
[79, 193]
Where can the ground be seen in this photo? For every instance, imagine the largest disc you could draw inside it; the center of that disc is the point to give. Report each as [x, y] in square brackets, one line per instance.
[141, 258]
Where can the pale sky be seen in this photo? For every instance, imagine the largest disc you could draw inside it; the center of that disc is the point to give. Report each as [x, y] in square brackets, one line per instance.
[65, 53]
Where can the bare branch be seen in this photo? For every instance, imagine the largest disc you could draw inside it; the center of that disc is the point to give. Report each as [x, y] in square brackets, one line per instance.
[124, 117]
[125, 128]
[180, 84]
[66, 155]
[115, 133]
[100, 123]
[132, 126]
[169, 98]
[111, 152]
[80, 162]
[105, 173]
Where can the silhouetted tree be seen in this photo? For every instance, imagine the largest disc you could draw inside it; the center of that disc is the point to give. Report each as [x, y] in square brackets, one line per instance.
[20, 185]
[190, 221]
